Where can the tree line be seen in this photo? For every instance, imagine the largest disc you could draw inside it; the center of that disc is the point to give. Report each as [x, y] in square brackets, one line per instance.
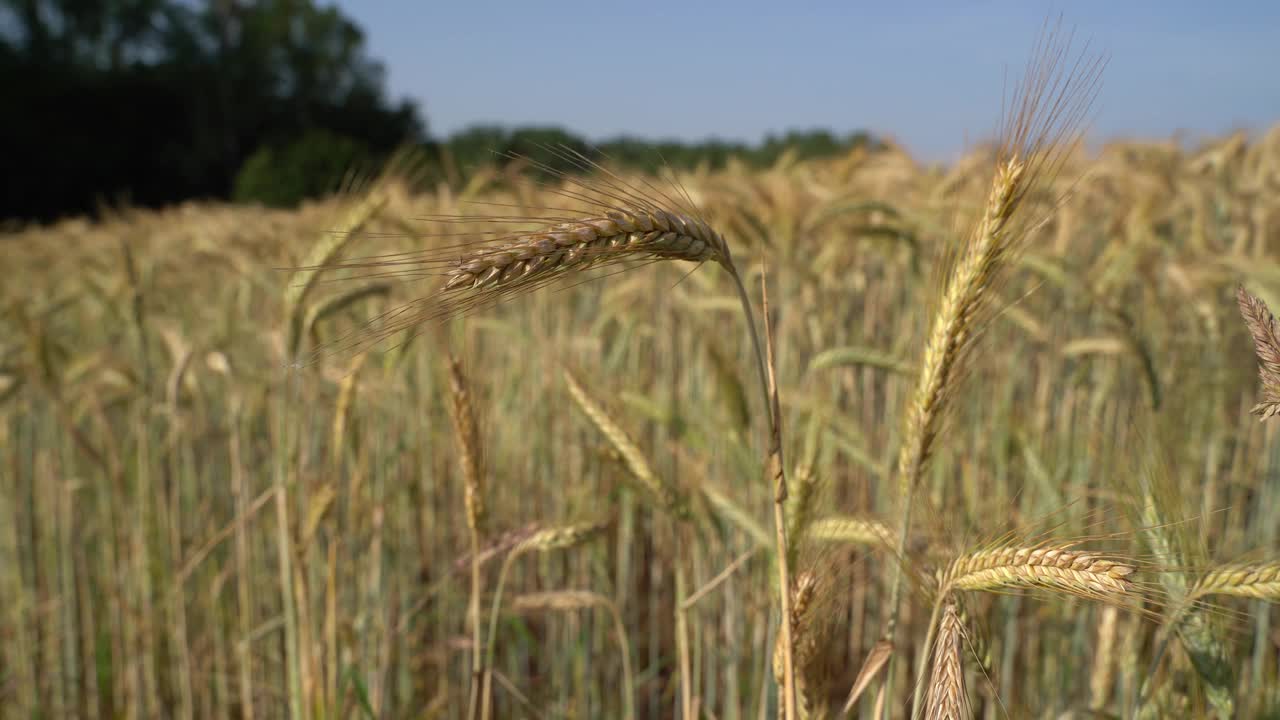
[152, 102]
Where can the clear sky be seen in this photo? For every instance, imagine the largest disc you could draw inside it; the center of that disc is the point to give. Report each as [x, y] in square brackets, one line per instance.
[926, 72]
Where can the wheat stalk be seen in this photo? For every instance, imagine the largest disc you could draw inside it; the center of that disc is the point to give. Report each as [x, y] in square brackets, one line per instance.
[466, 433]
[948, 698]
[470, 455]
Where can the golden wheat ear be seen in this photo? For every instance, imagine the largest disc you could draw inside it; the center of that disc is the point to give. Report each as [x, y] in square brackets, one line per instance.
[948, 696]
[506, 251]
[1266, 344]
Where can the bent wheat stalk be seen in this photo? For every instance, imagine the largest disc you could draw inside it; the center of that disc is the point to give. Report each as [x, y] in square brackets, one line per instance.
[633, 222]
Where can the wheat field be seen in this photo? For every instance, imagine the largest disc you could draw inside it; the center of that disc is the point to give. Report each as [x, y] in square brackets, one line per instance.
[251, 468]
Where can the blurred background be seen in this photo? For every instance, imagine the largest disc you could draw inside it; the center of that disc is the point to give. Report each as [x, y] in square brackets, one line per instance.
[152, 102]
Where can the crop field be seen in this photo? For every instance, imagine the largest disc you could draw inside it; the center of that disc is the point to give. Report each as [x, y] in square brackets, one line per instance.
[996, 442]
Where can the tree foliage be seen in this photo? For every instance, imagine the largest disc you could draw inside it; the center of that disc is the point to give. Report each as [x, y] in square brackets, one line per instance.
[157, 101]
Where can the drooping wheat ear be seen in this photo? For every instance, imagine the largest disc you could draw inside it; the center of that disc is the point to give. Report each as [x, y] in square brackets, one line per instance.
[851, 529]
[618, 220]
[1256, 580]
[665, 494]
[624, 232]
[573, 600]
[1046, 566]
[470, 454]
[948, 698]
[1266, 343]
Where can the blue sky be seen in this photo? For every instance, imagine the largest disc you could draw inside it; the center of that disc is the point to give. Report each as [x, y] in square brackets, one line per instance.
[929, 73]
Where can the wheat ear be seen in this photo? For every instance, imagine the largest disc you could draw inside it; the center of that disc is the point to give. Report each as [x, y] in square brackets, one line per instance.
[851, 529]
[1256, 580]
[948, 698]
[635, 233]
[1047, 110]
[1053, 567]
[665, 494]
[1266, 343]
[631, 223]
[804, 642]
